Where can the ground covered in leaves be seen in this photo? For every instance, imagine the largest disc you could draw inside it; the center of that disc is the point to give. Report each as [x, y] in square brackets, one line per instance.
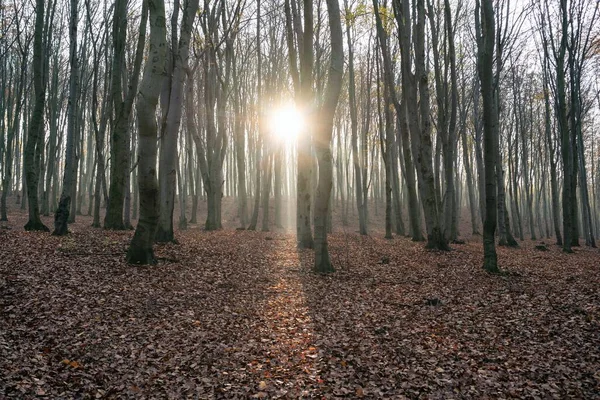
[238, 314]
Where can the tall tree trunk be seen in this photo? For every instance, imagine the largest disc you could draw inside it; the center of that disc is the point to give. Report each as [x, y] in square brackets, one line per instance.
[304, 235]
[169, 138]
[240, 149]
[362, 223]
[123, 105]
[61, 216]
[449, 142]
[140, 250]
[567, 150]
[421, 137]
[13, 129]
[485, 44]
[324, 129]
[32, 153]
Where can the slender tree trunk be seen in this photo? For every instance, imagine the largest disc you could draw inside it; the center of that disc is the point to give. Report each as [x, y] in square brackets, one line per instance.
[61, 216]
[397, 202]
[362, 223]
[551, 155]
[267, 190]
[303, 194]
[411, 187]
[470, 184]
[240, 150]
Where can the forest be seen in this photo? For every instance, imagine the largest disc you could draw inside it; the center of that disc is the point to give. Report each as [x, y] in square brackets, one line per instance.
[299, 199]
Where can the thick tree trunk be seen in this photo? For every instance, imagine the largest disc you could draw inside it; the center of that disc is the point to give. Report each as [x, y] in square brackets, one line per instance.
[568, 192]
[422, 140]
[32, 152]
[323, 139]
[123, 105]
[169, 137]
[485, 38]
[140, 250]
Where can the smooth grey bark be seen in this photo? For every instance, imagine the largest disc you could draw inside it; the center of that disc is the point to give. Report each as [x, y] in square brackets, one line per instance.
[268, 168]
[470, 179]
[55, 101]
[33, 148]
[485, 45]
[98, 130]
[513, 168]
[578, 49]
[477, 124]
[450, 139]
[387, 144]
[569, 180]
[416, 97]
[304, 236]
[277, 186]
[399, 227]
[169, 135]
[140, 250]
[259, 143]
[388, 152]
[13, 119]
[360, 205]
[447, 103]
[122, 102]
[257, 191]
[191, 131]
[240, 148]
[414, 212]
[127, 197]
[61, 217]
[182, 186]
[217, 78]
[521, 132]
[324, 129]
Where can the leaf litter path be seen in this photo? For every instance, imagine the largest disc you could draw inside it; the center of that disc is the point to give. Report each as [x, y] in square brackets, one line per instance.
[240, 315]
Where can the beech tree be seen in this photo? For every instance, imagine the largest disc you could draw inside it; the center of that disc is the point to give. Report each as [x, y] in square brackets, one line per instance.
[140, 250]
[485, 23]
[172, 117]
[323, 133]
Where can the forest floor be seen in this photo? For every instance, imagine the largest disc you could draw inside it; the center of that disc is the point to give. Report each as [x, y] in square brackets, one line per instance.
[239, 314]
